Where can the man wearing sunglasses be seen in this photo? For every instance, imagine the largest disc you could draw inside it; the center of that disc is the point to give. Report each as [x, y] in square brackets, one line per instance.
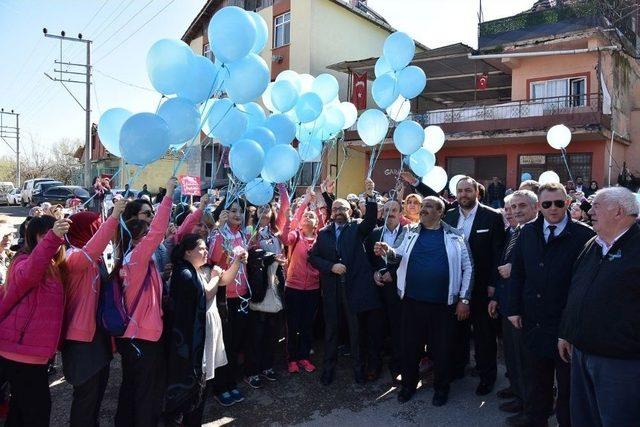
[542, 263]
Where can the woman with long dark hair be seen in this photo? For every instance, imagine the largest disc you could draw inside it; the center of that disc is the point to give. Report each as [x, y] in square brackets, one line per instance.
[141, 347]
[86, 351]
[31, 313]
[196, 346]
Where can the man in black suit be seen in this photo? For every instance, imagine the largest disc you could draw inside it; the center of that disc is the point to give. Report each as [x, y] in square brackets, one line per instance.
[541, 272]
[345, 278]
[385, 278]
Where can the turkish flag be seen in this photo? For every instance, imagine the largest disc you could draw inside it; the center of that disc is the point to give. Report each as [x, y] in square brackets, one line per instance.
[359, 93]
[481, 81]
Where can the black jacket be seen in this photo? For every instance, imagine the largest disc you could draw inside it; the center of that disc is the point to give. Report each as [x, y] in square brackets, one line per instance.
[540, 279]
[186, 319]
[502, 285]
[360, 289]
[602, 315]
[378, 262]
[486, 243]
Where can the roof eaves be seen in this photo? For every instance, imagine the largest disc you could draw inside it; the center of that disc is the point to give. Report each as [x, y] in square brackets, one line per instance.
[205, 12]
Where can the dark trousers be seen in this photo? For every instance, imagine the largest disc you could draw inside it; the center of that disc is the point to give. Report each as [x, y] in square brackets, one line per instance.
[235, 328]
[334, 302]
[513, 347]
[438, 321]
[300, 311]
[30, 403]
[193, 418]
[540, 375]
[143, 382]
[262, 331]
[393, 319]
[87, 398]
[371, 327]
[485, 347]
[604, 391]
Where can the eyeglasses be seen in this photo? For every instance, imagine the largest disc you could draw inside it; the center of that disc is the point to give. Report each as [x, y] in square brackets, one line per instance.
[340, 209]
[557, 203]
[149, 214]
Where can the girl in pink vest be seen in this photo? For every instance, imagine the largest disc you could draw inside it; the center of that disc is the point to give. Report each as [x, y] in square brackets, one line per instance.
[31, 312]
[86, 351]
[141, 347]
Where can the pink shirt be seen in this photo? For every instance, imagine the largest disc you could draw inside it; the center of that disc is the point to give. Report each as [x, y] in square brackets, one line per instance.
[221, 254]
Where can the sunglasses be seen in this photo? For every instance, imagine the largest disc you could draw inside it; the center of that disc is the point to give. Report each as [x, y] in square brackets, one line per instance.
[556, 203]
[149, 214]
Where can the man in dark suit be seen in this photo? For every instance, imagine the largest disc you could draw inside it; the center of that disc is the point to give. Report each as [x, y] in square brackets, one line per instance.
[345, 278]
[385, 278]
[541, 272]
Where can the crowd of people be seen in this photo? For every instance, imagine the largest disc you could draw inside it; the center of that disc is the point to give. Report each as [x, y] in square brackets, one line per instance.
[195, 299]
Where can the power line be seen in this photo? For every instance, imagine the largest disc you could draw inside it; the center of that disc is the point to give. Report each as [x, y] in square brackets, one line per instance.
[123, 25]
[115, 18]
[123, 82]
[94, 16]
[135, 32]
[23, 65]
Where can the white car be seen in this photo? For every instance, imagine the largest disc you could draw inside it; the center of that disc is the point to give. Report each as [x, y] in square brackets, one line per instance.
[14, 197]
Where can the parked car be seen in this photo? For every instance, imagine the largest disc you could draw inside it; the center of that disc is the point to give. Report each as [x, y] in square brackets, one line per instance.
[14, 198]
[41, 187]
[27, 189]
[5, 188]
[60, 194]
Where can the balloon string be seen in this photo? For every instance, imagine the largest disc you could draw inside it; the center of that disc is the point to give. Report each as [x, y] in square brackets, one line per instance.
[95, 194]
[566, 164]
[344, 159]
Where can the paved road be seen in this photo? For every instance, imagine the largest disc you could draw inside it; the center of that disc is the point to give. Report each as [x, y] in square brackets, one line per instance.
[16, 214]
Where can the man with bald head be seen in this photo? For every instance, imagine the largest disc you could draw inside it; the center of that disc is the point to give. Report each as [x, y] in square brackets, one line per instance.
[599, 332]
[345, 278]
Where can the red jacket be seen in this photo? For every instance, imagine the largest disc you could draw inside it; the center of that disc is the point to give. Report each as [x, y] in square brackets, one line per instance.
[32, 303]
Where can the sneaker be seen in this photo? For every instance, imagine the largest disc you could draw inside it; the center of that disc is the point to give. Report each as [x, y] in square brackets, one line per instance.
[293, 368]
[225, 399]
[254, 381]
[306, 365]
[236, 395]
[269, 374]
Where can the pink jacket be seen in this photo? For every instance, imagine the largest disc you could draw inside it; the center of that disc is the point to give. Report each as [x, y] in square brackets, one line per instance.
[146, 320]
[221, 252]
[32, 304]
[83, 277]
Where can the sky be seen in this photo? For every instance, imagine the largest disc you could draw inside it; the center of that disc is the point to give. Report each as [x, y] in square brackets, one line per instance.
[123, 30]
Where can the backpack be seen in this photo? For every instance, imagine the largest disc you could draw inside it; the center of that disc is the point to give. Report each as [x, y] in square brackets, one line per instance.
[257, 271]
[112, 315]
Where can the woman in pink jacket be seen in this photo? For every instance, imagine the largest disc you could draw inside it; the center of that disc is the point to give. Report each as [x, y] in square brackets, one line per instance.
[141, 347]
[31, 312]
[302, 286]
[86, 351]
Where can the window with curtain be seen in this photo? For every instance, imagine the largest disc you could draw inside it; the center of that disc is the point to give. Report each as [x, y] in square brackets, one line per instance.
[282, 30]
[569, 92]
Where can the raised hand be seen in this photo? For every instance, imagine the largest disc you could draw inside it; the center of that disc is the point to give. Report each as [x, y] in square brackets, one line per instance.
[369, 186]
[61, 227]
[118, 208]
[408, 177]
[380, 248]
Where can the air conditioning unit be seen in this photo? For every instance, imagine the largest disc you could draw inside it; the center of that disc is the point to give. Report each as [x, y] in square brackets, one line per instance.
[277, 58]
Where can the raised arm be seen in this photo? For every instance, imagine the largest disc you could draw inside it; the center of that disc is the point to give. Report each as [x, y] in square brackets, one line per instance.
[371, 215]
[283, 212]
[191, 220]
[99, 241]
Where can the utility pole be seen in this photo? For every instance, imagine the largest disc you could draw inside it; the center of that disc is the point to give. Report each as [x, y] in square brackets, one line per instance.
[12, 132]
[87, 83]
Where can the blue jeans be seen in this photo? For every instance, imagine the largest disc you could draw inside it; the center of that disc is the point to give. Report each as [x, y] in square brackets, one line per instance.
[604, 392]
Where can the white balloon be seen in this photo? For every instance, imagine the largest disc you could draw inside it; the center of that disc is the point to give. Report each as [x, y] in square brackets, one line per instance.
[453, 184]
[559, 136]
[266, 98]
[548, 177]
[350, 114]
[399, 110]
[306, 83]
[433, 138]
[293, 77]
[436, 178]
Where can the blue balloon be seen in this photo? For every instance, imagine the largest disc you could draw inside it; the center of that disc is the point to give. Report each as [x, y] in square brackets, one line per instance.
[309, 107]
[109, 128]
[262, 32]
[226, 122]
[385, 90]
[326, 86]
[310, 150]
[259, 192]
[183, 119]
[168, 64]
[255, 114]
[293, 77]
[382, 67]
[334, 121]
[248, 78]
[262, 136]
[246, 159]
[281, 163]
[525, 176]
[422, 161]
[398, 50]
[144, 138]
[408, 137]
[232, 34]
[372, 127]
[202, 80]
[306, 131]
[284, 95]
[411, 81]
[282, 127]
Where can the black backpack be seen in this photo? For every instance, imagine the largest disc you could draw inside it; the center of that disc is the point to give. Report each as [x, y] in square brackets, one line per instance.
[257, 273]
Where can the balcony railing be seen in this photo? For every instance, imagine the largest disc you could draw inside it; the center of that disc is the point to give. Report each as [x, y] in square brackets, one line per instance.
[553, 106]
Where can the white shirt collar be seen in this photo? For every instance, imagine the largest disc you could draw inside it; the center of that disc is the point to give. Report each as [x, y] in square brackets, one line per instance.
[605, 247]
[472, 213]
[559, 226]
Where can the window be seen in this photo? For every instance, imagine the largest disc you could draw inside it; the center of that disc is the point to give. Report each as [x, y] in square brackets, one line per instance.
[281, 30]
[208, 168]
[206, 51]
[569, 92]
[579, 163]
[307, 172]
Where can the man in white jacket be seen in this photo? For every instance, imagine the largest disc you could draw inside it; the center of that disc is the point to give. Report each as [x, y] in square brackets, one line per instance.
[434, 283]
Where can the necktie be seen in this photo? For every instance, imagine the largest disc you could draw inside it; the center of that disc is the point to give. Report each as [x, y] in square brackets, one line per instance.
[552, 233]
[512, 243]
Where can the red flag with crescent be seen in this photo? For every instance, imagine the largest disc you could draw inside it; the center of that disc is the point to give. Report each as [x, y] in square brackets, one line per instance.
[359, 94]
[481, 81]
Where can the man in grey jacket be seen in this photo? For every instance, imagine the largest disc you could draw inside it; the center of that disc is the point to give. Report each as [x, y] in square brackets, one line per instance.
[434, 283]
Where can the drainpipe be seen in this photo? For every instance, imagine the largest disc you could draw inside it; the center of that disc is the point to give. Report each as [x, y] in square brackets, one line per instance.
[541, 53]
[610, 158]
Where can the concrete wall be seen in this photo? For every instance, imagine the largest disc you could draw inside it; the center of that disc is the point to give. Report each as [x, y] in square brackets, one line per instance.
[155, 175]
[353, 172]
